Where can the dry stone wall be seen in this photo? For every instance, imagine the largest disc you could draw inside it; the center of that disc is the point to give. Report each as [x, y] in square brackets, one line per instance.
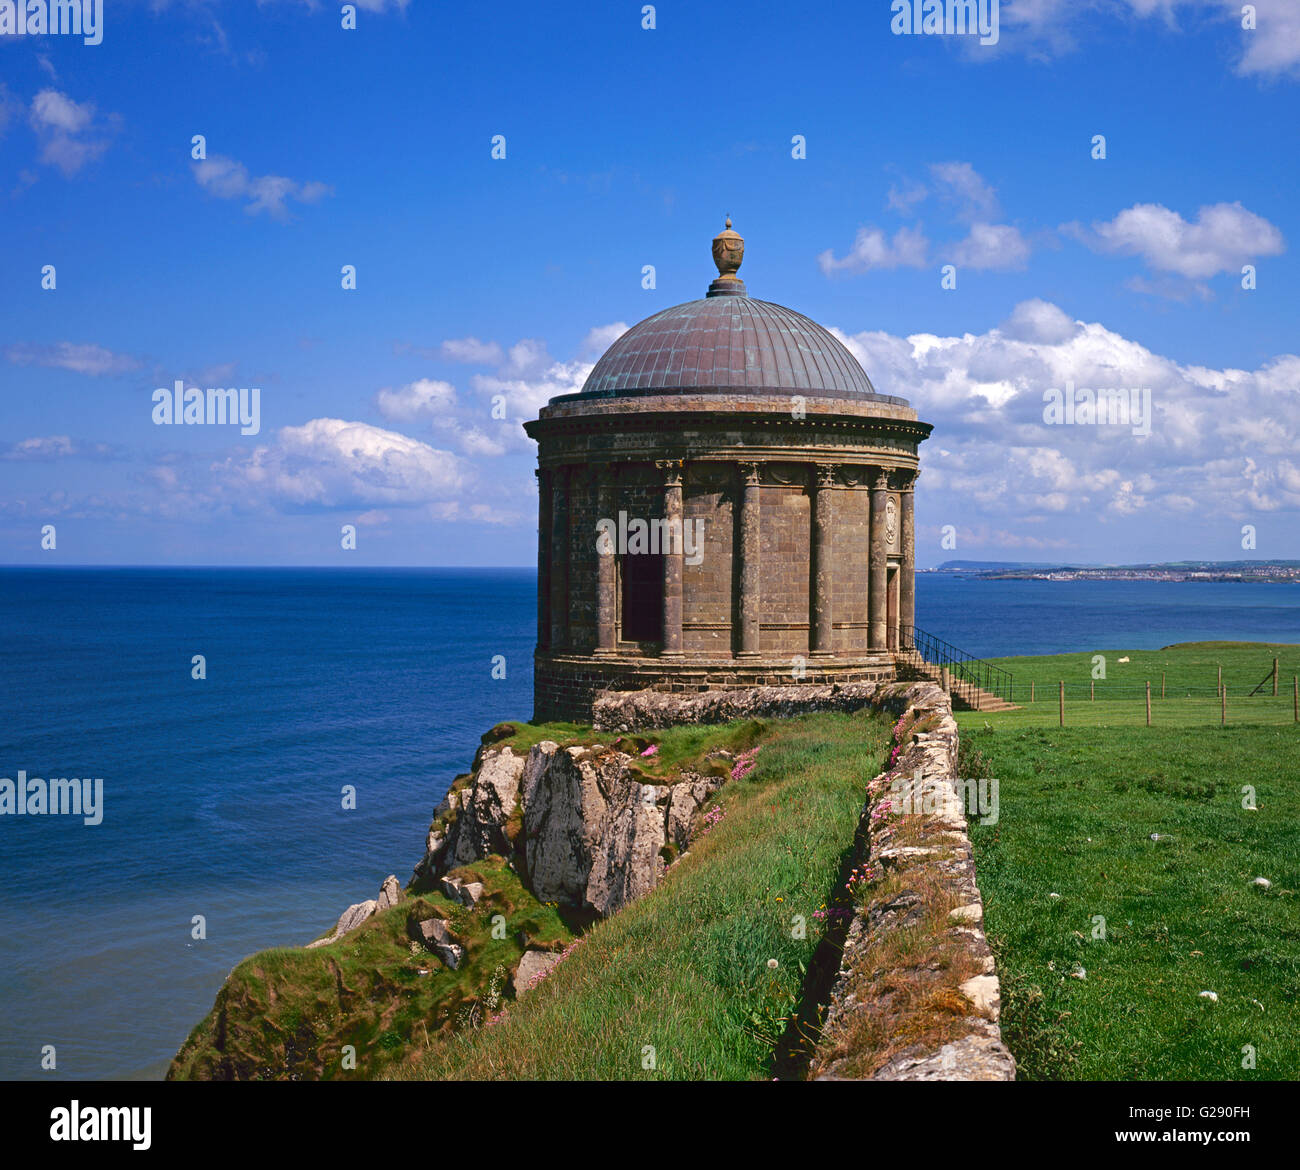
[942, 994]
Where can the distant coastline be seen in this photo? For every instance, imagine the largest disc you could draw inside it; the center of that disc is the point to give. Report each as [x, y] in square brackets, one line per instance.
[1249, 572]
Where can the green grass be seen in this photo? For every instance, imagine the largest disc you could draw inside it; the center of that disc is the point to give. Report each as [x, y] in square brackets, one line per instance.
[287, 1013]
[1078, 807]
[677, 985]
[1190, 671]
[676, 748]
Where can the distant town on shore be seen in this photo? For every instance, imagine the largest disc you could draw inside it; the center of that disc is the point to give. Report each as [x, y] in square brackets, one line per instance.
[1249, 571]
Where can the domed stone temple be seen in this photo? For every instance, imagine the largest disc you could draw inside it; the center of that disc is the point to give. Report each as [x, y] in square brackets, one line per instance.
[727, 502]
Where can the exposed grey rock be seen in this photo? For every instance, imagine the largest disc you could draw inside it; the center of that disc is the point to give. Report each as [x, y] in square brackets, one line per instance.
[436, 935]
[351, 918]
[532, 967]
[594, 834]
[627, 862]
[565, 811]
[390, 893]
[980, 1056]
[466, 893]
[684, 803]
[485, 807]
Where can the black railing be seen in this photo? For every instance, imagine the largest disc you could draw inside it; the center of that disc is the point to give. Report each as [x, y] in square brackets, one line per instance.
[967, 675]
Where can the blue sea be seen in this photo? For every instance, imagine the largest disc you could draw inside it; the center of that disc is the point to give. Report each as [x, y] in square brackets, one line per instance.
[224, 797]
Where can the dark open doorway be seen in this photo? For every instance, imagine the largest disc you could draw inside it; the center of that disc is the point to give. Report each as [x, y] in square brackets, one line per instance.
[643, 597]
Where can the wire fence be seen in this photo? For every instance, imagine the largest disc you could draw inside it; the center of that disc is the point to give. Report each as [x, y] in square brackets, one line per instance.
[1173, 702]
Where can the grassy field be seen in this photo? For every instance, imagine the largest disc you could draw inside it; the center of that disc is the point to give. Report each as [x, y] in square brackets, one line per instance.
[1119, 877]
[1188, 672]
[699, 979]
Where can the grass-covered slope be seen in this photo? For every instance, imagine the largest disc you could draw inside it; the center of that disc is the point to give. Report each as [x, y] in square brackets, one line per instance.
[289, 1013]
[1103, 980]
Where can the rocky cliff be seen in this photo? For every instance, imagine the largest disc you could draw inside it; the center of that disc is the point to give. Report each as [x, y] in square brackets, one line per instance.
[583, 829]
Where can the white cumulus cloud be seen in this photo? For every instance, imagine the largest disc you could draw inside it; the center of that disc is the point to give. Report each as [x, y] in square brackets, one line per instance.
[69, 132]
[227, 178]
[331, 463]
[1222, 238]
[873, 250]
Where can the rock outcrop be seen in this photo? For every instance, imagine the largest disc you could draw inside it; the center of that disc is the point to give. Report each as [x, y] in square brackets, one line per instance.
[390, 893]
[533, 966]
[579, 824]
[435, 934]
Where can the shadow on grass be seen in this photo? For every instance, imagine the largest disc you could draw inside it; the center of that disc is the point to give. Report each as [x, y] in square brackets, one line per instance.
[794, 1051]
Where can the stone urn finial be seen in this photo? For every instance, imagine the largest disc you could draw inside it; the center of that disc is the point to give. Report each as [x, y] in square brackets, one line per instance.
[728, 255]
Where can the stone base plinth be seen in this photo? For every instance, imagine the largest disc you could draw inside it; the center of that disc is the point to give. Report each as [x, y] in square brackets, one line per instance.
[565, 685]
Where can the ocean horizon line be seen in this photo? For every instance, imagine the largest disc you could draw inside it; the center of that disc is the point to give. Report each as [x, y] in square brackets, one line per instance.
[263, 568]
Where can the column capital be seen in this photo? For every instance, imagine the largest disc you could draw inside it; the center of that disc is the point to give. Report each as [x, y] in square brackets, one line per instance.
[671, 469]
[880, 479]
[905, 478]
[824, 474]
[748, 471]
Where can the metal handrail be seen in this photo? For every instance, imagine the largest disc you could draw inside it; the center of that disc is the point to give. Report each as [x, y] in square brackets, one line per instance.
[967, 673]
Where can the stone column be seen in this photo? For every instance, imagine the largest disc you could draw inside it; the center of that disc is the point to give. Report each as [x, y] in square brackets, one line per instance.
[559, 558]
[672, 556]
[606, 605]
[821, 643]
[879, 564]
[543, 557]
[747, 557]
[907, 545]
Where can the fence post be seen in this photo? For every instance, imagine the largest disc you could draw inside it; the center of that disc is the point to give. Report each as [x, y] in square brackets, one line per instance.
[1092, 691]
[1031, 691]
[1295, 696]
[1220, 683]
[1223, 706]
[1148, 702]
[1062, 704]
[1162, 684]
[1275, 678]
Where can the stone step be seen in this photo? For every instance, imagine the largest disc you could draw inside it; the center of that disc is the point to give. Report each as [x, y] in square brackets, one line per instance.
[973, 699]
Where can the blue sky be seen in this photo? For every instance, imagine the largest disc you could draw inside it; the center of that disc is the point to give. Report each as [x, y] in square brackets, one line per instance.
[625, 147]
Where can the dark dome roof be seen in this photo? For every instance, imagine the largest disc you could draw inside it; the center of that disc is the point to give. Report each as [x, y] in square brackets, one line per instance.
[727, 343]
